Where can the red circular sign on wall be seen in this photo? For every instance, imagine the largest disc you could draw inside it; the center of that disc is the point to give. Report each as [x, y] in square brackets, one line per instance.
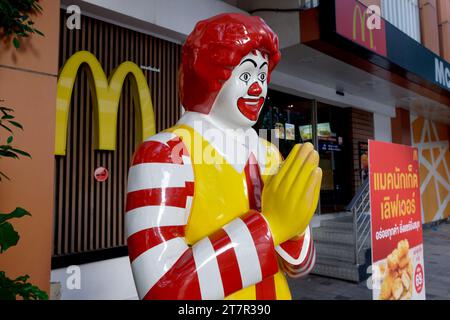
[418, 278]
[101, 174]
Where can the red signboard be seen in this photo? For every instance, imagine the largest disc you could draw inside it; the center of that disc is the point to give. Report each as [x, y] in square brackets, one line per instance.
[397, 246]
[101, 174]
[351, 22]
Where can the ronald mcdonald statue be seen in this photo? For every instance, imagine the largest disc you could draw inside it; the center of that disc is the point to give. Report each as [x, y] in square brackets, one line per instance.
[213, 211]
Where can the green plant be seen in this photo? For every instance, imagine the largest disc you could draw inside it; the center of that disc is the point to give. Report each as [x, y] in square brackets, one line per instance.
[9, 237]
[15, 21]
[7, 150]
[10, 289]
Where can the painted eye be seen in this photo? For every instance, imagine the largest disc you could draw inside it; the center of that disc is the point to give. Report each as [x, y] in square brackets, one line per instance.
[245, 77]
[262, 76]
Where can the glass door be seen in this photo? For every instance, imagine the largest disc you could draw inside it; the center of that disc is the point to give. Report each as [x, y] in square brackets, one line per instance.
[291, 118]
[298, 120]
[335, 149]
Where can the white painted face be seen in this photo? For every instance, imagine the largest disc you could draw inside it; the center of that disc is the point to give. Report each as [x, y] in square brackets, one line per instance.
[240, 101]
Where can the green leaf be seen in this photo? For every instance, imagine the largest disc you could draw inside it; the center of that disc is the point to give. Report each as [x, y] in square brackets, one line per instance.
[17, 213]
[6, 147]
[16, 43]
[22, 153]
[6, 128]
[10, 140]
[7, 291]
[20, 287]
[23, 279]
[16, 124]
[39, 32]
[8, 236]
[8, 154]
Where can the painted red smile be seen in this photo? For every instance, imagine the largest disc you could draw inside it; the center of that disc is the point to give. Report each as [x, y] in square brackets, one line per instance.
[250, 108]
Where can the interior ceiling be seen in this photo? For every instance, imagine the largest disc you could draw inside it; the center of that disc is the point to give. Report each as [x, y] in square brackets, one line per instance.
[307, 63]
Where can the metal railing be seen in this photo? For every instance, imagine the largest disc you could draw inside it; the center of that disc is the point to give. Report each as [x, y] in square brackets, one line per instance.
[360, 208]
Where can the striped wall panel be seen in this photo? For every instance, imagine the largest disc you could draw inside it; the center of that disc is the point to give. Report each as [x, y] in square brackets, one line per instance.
[404, 14]
[89, 215]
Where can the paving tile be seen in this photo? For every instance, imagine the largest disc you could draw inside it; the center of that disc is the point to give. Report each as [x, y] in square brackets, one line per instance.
[437, 273]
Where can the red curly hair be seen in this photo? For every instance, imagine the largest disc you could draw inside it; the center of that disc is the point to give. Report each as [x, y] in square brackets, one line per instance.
[214, 48]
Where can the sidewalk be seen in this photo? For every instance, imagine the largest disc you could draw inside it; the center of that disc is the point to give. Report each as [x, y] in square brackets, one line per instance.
[437, 275]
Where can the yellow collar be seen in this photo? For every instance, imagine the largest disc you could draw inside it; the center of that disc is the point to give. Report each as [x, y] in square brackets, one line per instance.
[235, 146]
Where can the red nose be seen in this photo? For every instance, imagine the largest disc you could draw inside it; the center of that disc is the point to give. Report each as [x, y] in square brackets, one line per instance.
[255, 90]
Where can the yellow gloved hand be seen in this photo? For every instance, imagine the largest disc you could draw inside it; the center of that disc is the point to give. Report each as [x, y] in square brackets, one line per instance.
[290, 198]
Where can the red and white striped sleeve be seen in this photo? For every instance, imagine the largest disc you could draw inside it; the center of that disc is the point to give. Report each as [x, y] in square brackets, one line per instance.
[298, 256]
[160, 191]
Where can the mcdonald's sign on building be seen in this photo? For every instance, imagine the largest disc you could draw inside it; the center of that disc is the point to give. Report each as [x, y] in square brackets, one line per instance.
[351, 23]
[107, 103]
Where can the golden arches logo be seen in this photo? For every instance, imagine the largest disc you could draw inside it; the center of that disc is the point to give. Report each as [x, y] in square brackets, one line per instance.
[106, 93]
[358, 12]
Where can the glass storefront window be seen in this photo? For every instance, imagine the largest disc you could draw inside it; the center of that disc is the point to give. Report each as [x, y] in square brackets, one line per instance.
[294, 120]
[290, 116]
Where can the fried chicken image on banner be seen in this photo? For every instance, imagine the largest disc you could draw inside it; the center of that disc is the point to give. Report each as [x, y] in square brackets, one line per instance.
[397, 282]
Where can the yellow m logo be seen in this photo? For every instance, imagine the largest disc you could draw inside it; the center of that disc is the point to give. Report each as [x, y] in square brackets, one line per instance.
[106, 94]
[358, 12]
